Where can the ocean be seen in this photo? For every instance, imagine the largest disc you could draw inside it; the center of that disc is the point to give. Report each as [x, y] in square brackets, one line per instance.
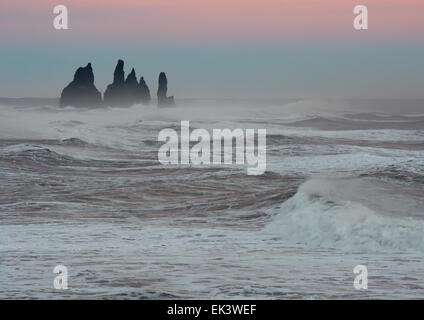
[83, 188]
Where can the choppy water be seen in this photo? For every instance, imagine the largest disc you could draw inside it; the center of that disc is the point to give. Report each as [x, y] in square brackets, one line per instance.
[83, 188]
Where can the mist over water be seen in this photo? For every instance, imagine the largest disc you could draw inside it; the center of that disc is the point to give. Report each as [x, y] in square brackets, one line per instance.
[83, 187]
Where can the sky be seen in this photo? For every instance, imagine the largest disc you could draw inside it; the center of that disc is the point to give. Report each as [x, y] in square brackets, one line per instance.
[218, 49]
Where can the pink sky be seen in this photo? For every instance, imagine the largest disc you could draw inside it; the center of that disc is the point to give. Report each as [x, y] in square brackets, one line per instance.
[182, 20]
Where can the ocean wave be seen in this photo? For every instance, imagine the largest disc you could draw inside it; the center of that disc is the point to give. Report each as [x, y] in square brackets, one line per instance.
[344, 123]
[34, 153]
[74, 142]
[316, 217]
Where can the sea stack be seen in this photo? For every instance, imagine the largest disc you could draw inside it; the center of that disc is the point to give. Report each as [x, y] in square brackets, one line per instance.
[81, 92]
[131, 88]
[126, 92]
[115, 93]
[163, 100]
[143, 92]
[122, 92]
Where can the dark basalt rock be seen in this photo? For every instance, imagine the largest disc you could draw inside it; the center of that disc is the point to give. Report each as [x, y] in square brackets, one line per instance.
[143, 92]
[115, 94]
[163, 100]
[81, 92]
[126, 92]
[131, 88]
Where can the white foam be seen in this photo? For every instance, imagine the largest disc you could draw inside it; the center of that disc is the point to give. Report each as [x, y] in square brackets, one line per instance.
[319, 216]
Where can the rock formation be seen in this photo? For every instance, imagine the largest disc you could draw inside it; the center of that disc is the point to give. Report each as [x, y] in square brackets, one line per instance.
[115, 93]
[131, 88]
[143, 92]
[126, 92]
[163, 100]
[81, 92]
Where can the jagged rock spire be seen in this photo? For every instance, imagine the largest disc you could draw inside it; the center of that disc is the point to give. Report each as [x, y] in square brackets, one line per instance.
[163, 100]
[119, 74]
[115, 94]
[144, 92]
[131, 88]
[81, 92]
[131, 78]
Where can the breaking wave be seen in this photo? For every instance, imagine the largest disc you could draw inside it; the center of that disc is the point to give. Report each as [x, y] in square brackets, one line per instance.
[33, 153]
[316, 217]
